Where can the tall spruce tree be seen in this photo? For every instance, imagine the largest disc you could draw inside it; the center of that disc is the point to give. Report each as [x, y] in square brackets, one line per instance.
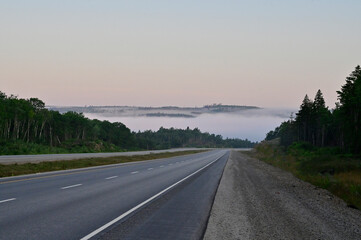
[320, 119]
[304, 120]
[350, 111]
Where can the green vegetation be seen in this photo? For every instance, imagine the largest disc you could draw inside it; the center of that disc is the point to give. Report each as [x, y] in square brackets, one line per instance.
[322, 146]
[326, 168]
[321, 127]
[173, 138]
[28, 168]
[28, 127]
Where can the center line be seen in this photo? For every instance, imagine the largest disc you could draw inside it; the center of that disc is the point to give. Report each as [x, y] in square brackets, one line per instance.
[7, 200]
[135, 172]
[111, 177]
[76, 185]
[150, 168]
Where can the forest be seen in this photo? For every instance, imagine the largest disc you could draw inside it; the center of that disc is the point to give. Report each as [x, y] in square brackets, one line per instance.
[28, 127]
[320, 145]
[318, 126]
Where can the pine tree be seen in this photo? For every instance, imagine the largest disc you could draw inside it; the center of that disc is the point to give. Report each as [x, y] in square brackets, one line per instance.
[350, 111]
[321, 118]
[303, 120]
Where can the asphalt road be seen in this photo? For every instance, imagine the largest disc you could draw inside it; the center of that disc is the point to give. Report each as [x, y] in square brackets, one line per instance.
[10, 159]
[160, 199]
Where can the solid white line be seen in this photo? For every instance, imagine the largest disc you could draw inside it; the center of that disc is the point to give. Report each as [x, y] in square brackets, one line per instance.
[111, 177]
[135, 172]
[76, 185]
[92, 234]
[7, 200]
[150, 169]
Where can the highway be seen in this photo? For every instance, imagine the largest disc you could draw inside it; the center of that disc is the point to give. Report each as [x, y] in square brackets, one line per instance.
[158, 199]
[36, 158]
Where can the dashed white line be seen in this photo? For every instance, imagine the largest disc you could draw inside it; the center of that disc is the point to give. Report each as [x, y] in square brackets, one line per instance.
[150, 169]
[92, 234]
[111, 177]
[134, 172]
[162, 166]
[7, 200]
[170, 164]
[71, 186]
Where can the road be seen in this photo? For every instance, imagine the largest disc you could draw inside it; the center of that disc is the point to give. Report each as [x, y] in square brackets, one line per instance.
[161, 199]
[20, 159]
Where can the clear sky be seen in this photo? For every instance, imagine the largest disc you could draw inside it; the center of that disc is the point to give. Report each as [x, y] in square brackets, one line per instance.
[268, 53]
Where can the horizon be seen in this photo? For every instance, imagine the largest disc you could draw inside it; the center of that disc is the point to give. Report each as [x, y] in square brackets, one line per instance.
[263, 53]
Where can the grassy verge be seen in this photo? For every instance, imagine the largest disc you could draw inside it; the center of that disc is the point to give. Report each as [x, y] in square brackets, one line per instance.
[323, 167]
[28, 168]
[21, 147]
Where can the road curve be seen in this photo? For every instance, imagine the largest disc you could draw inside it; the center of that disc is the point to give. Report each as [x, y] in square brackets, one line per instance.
[85, 203]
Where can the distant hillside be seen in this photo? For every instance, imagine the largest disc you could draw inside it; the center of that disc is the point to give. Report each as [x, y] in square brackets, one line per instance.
[27, 127]
[167, 111]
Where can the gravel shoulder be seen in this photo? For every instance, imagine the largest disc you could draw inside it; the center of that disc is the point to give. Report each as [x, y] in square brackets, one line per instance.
[258, 201]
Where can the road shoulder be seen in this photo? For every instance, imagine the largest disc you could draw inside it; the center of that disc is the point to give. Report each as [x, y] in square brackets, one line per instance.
[257, 201]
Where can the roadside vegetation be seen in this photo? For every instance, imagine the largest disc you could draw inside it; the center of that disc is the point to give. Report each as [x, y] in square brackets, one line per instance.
[28, 127]
[29, 168]
[322, 146]
[326, 168]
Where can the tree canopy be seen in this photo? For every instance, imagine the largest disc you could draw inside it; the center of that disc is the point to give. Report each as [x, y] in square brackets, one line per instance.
[319, 126]
[27, 122]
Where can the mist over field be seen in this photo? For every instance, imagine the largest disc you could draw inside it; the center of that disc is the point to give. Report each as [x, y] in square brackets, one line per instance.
[249, 124]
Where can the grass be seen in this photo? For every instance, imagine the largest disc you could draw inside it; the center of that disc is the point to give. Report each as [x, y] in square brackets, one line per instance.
[17, 147]
[28, 168]
[323, 167]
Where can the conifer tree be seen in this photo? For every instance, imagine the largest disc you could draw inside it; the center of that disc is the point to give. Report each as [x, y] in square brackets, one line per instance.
[321, 118]
[303, 119]
[350, 111]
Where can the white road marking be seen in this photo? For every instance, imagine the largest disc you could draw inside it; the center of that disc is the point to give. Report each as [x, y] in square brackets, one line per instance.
[7, 200]
[134, 172]
[111, 177]
[92, 234]
[76, 185]
[162, 166]
[170, 164]
[150, 169]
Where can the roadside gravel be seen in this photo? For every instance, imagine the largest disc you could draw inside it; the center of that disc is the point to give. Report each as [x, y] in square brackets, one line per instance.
[258, 201]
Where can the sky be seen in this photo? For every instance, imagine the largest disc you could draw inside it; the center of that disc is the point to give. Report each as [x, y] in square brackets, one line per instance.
[266, 53]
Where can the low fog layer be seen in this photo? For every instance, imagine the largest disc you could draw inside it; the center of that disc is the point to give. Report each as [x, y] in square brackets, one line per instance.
[252, 123]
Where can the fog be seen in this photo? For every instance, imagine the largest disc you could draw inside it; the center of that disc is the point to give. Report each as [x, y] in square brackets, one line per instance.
[252, 125]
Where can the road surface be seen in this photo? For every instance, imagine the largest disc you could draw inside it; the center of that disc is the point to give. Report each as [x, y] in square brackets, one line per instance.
[160, 199]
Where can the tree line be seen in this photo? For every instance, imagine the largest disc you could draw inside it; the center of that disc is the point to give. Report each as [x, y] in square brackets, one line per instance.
[175, 138]
[322, 127]
[25, 122]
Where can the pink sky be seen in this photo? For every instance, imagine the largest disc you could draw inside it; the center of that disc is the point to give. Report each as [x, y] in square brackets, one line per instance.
[186, 54]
